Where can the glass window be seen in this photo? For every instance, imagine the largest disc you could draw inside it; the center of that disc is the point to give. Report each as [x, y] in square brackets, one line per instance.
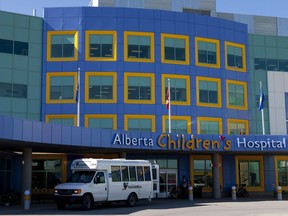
[101, 45]
[20, 48]
[249, 173]
[260, 64]
[282, 171]
[139, 47]
[144, 125]
[140, 174]
[235, 56]
[100, 177]
[177, 126]
[13, 90]
[147, 173]
[116, 173]
[236, 95]
[62, 121]
[6, 46]
[101, 87]
[61, 87]
[167, 163]
[209, 91]
[101, 123]
[202, 173]
[125, 175]
[132, 173]
[5, 89]
[272, 65]
[209, 125]
[237, 127]
[283, 65]
[5, 175]
[178, 88]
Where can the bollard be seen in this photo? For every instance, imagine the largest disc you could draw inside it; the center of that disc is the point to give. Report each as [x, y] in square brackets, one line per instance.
[279, 193]
[190, 193]
[27, 199]
[233, 192]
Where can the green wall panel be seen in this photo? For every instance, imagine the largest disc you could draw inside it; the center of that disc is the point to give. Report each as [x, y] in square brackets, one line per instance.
[6, 75]
[19, 105]
[20, 62]
[21, 34]
[6, 60]
[6, 32]
[20, 76]
[6, 18]
[21, 21]
[33, 106]
[34, 93]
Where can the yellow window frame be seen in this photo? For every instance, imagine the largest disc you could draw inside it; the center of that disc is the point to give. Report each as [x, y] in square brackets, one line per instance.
[49, 40]
[244, 84]
[100, 116]
[184, 118]
[147, 34]
[204, 157]
[208, 40]
[173, 76]
[48, 87]
[99, 74]
[87, 45]
[145, 75]
[251, 158]
[241, 46]
[129, 116]
[219, 95]
[279, 158]
[209, 119]
[240, 121]
[62, 116]
[187, 51]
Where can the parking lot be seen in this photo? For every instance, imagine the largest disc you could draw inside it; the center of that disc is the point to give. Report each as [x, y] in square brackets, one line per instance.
[161, 207]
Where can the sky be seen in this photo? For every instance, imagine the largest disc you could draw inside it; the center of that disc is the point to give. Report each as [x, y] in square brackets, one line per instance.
[276, 8]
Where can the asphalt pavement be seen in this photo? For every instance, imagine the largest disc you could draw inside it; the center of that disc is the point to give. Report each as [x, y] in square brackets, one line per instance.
[164, 207]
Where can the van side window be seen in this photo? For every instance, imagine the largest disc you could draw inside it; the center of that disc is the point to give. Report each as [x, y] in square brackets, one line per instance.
[132, 172]
[116, 173]
[100, 178]
[125, 176]
[147, 173]
[140, 175]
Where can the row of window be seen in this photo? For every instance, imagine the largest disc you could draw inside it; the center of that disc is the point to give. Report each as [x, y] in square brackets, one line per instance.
[100, 87]
[139, 47]
[130, 173]
[270, 64]
[146, 123]
[13, 47]
[13, 90]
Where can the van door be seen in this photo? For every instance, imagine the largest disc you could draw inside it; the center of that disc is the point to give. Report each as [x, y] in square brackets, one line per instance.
[100, 186]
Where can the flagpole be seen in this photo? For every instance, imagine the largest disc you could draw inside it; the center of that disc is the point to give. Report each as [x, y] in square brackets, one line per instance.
[78, 99]
[169, 109]
[262, 113]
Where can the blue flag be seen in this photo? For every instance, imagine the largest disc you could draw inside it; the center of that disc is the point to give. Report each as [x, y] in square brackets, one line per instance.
[261, 100]
[77, 93]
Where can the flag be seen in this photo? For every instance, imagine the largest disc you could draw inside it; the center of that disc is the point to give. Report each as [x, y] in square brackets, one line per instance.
[77, 93]
[261, 100]
[168, 97]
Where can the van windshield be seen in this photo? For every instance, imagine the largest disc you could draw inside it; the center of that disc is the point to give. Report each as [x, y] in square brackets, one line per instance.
[82, 176]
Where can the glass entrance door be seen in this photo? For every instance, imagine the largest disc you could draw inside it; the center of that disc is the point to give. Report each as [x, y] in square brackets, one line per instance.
[168, 183]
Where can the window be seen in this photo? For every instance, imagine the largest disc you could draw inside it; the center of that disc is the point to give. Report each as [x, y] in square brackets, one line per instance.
[249, 172]
[140, 174]
[132, 173]
[179, 89]
[67, 120]
[5, 175]
[101, 121]
[139, 88]
[283, 65]
[116, 173]
[6, 46]
[281, 163]
[208, 92]
[179, 124]
[260, 64]
[20, 48]
[139, 46]
[140, 123]
[13, 90]
[101, 46]
[100, 87]
[62, 46]
[147, 173]
[235, 56]
[238, 127]
[100, 178]
[61, 87]
[202, 173]
[272, 65]
[207, 52]
[125, 175]
[175, 49]
[207, 125]
[236, 95]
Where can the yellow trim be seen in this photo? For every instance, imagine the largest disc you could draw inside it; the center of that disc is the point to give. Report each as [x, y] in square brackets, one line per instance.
[49, 40]
[251, 158]
[184, 118]
[114, 84]
[241, 46]
[279, 158]
[48, 87]
[145, 75]
[207, 40]
[240, 121]
[219, 95]
[62, 116]
[187, 51]
[209, 119]
[100, 116]
[173, 76]
[87, 44]
[151, 117]
[62, 157]
[146, 34]
[244, 84]
[205, 157]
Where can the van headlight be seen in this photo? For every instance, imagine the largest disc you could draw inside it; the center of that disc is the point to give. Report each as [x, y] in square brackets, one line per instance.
[77, 191]
[55, 191]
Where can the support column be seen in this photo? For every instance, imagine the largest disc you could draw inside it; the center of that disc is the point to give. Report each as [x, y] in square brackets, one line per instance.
[216, 175]
[27, 170]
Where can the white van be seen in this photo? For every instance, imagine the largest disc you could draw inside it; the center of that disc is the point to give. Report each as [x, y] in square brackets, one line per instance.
[107, 180]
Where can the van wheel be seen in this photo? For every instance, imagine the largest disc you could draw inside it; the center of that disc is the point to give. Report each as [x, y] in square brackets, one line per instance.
[132, 199]
[61, 205]
[87, 202]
